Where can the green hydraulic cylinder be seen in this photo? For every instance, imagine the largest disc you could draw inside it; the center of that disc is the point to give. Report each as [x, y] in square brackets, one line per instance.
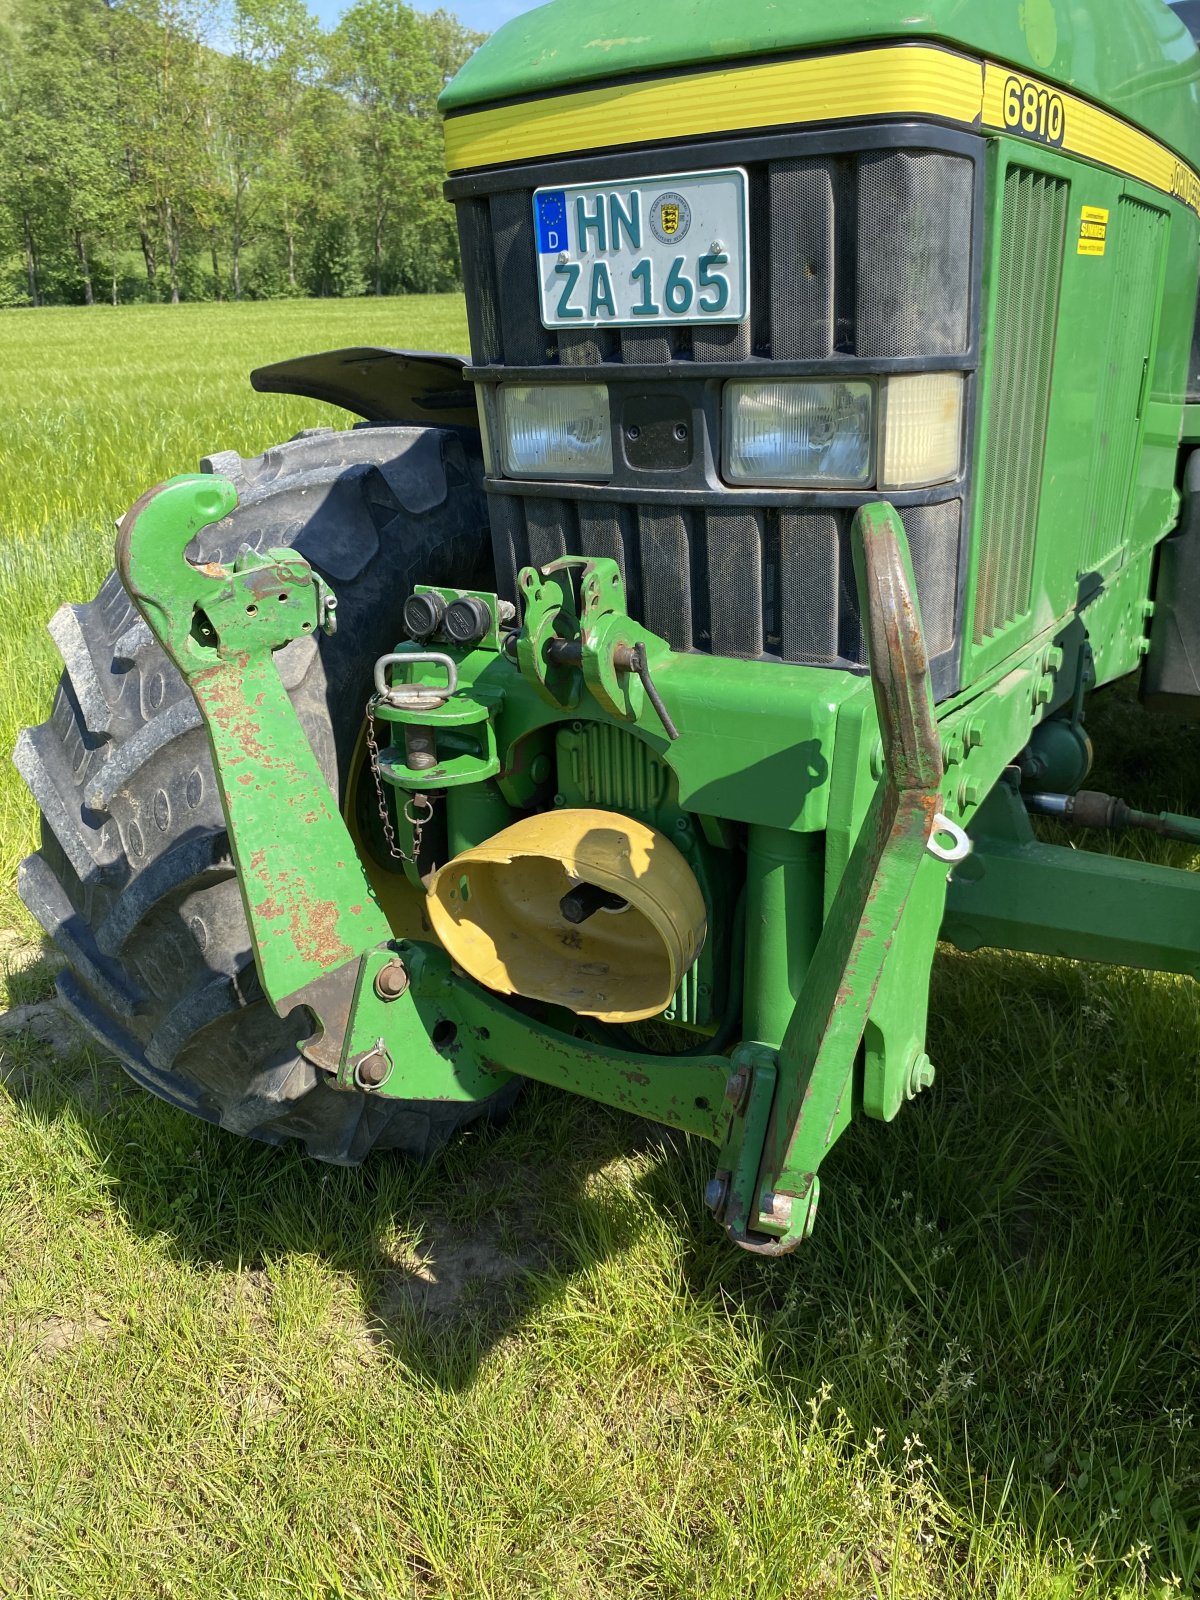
[785, 887]
[474, 812]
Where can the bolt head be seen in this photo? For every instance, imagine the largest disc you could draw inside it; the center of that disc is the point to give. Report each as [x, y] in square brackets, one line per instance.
[738, 1087]
[370, 1070]
[920, 1075]
[391, 981]
[716, 1192]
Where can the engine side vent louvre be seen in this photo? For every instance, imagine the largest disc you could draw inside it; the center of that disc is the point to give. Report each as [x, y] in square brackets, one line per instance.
[1193, 382]
[1030, 273]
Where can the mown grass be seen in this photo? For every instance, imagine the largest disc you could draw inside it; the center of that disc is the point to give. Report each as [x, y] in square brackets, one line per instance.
[535, 1368]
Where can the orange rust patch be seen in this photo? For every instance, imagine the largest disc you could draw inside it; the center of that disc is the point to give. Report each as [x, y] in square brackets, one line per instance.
[312, 924]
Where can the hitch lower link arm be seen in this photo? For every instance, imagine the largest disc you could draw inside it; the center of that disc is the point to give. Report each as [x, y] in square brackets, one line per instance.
[791, 1108]
[311, 910]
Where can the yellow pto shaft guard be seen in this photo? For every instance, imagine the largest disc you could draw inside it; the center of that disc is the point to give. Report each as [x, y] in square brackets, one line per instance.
[586, 909]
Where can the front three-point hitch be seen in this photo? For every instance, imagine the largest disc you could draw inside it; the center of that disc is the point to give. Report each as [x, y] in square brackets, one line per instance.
[592, 917]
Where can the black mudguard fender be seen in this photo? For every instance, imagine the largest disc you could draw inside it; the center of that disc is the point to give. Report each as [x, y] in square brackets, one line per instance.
[400, 386]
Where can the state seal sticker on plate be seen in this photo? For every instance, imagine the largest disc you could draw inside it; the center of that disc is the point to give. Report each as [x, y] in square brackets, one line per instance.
[650, 250]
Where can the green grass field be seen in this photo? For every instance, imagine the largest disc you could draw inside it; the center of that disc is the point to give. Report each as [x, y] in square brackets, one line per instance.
[536, 1369]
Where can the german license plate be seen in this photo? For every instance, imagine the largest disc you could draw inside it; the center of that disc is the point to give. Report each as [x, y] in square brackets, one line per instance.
[652, 250]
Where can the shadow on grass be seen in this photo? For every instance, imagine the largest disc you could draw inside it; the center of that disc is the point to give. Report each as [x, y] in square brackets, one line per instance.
[1009, 1273]
[449, 1258]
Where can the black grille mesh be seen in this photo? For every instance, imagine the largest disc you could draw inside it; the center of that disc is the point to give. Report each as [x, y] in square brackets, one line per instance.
[933, 535]
[746, 583]
[914, 261]
[864, 255]
[801, 265]
[524, 341]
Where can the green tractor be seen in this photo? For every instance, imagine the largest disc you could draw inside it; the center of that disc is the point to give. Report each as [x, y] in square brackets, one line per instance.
[634, 705]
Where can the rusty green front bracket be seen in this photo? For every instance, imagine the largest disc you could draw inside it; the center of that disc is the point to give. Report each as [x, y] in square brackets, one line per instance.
[767, 1193]
[391, 1018]
[478, 1041]
[562, 649]
[309, 905]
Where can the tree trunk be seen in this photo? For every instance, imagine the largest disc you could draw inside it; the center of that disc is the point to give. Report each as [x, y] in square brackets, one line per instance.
[89, 299]
[31, 263]
[235, 276]
[291, 244]
[148, 255]
[216, 266]
[378, 251]
[172, 233]
[114, 280]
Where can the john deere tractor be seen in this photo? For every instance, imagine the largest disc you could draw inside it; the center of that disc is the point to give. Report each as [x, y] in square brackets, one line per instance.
[633, 705]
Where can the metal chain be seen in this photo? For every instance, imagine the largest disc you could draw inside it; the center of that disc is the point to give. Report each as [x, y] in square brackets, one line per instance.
[416, 818]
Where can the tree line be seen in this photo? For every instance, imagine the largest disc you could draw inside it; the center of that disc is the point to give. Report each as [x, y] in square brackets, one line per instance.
[222, 149]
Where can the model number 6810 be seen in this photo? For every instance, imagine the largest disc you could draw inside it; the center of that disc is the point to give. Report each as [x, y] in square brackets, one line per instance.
[1034, 112]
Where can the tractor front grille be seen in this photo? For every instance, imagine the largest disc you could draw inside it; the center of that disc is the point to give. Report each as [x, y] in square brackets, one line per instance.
[747, 582]
[865, 254]
[863, 259]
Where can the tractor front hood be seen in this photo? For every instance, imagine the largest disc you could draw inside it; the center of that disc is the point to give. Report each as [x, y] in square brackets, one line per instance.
[1134, 57]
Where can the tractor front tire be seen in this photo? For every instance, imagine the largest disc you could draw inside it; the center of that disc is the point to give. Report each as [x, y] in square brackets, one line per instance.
[134, 880]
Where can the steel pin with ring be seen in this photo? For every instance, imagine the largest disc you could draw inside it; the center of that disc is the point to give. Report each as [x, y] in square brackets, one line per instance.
[410, 816]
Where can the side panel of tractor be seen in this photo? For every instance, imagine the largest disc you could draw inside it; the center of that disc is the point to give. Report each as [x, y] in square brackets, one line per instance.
[829, 386]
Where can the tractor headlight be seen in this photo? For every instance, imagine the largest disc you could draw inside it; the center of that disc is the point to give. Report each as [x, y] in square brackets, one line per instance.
[921, 429]
[555, 430]
[809, 433]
